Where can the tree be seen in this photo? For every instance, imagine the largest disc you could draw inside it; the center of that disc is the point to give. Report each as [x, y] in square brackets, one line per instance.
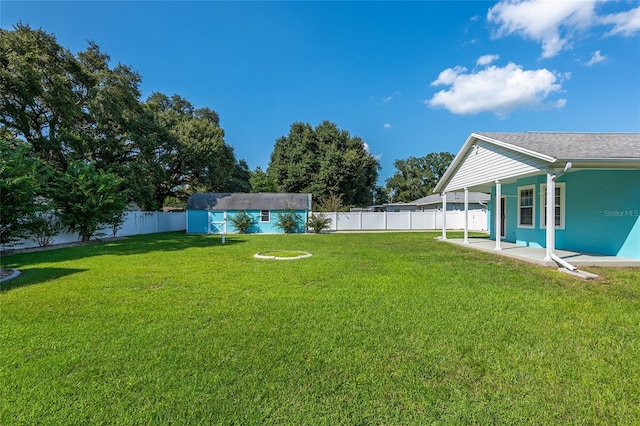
[79, 108]
[261, 181]
[323, 161]
[416, 177]
[87, 198]
[41, 93]
[196, 155]
[19, 187]
[240, 178]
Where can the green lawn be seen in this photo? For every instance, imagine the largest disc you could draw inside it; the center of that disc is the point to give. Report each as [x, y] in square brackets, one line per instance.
[373, 329]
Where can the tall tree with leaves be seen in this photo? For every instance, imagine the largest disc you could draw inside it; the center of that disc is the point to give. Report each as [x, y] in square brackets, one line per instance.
[41, 93]
[324, 160]
[199, 156]
[261, 181]
[416, 177]
[87, 198]
[19, 187]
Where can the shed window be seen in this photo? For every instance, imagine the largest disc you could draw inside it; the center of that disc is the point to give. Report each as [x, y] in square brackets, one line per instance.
[559, 210]
[265, 216]
[526, 206]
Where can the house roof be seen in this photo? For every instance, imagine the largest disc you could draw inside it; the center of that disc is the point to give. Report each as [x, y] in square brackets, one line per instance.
[243, 201]
[507, 155]
[572, 146]
[452, 197]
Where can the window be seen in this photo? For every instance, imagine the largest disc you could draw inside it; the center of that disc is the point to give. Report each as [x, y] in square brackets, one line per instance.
[265, 216]
[526, 206]
[559, 210]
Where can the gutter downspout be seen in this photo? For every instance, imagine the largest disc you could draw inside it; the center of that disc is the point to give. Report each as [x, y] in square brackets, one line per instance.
[551, 220]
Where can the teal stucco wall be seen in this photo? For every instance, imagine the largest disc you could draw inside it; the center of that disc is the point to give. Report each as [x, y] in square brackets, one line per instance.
[198, 222]
[602, 213]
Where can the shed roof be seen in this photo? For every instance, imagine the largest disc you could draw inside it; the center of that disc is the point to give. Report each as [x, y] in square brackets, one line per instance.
[243, 201]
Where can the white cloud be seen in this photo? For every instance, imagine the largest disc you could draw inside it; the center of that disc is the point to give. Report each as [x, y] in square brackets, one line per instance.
[552, 23]
[390, 97]
[495, 89]
[625, 23]
[596, 57]
[387, 126]
[487, 59]
[557, 23]
[368, 151]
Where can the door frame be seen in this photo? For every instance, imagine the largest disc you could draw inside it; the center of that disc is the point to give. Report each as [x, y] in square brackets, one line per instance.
[503, 217]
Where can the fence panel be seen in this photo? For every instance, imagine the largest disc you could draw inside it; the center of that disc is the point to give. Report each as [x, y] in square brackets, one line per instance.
[135, 223]
[428, 220]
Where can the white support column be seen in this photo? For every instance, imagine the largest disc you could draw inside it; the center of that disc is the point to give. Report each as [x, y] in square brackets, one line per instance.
[551, 216]
[466, 216]
[444, 215]
[498, 215]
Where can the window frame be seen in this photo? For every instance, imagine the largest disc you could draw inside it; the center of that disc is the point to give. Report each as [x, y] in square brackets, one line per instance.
[262, 215]
[543, 205]
[532, 207]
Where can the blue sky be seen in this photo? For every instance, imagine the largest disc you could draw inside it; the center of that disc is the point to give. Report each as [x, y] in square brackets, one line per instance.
[409, 78]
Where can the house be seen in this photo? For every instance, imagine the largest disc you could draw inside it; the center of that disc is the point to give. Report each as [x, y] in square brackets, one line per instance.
[210, 213]
[455, 202]
[571, 191]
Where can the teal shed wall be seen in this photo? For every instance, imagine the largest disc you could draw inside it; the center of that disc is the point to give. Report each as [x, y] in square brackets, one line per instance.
[198, 221]
[602, 213]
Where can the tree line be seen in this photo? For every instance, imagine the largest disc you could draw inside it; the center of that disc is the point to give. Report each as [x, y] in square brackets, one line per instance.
[78, 140]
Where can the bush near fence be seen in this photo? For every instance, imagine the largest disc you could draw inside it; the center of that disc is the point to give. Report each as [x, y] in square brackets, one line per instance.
[135, 223]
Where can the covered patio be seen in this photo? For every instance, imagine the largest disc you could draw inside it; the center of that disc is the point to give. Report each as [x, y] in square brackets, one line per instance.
[569, 199]
[537, 255]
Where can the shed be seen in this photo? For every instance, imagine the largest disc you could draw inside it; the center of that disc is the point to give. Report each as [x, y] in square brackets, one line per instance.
[209, 213]
[571, 191]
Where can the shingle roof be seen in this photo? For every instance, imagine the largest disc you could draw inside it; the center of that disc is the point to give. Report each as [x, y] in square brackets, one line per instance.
[574, 146]
[243, 201]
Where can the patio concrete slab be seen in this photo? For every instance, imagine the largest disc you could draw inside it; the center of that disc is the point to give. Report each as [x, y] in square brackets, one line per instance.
[536, 255]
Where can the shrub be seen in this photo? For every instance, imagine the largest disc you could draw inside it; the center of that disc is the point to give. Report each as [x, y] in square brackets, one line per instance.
[44, 227]
[115, 222]
[242, 221]
[289, 221]
[318, 222]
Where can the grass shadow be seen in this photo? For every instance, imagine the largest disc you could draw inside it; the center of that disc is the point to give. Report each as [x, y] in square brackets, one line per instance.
[35, 276]
[139, 244]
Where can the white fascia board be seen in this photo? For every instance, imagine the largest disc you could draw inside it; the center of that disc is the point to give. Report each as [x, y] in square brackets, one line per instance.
[469, 143]
[455, 164]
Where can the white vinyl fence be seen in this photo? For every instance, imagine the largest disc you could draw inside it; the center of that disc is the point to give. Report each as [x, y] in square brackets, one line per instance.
[135, 223]
[356, 221]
